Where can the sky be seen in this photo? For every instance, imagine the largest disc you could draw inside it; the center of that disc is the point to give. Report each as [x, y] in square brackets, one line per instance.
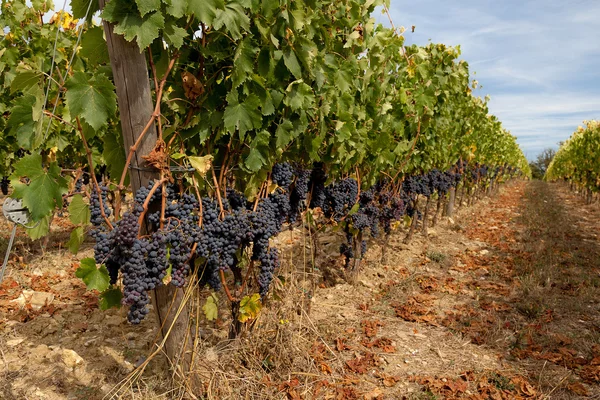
[539, 60]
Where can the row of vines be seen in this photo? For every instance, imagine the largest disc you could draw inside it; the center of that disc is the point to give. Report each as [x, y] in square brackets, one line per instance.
[578, 160]
[266, 115]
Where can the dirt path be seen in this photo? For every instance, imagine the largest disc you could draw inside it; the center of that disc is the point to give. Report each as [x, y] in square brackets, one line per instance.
[504, 307]
[501, 302]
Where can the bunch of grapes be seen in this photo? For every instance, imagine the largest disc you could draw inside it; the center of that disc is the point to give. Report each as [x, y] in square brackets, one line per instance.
[299, 193]
[4, 185]
[340, 197]
[317, 181]
[96, 217]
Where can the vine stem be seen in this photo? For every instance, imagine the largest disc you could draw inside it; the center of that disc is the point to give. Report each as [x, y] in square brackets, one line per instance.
[224, 283]
[214, 176]
[92, 174]
[247, 277]
[147, 202]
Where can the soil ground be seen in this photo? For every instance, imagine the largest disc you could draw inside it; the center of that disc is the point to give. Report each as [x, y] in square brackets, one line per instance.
[500, 302]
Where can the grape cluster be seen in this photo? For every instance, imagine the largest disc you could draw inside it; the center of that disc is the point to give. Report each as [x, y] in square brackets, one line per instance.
[318, 177]
[4, 185]
[299, 193]
[95, 210]
[340, 197]
[282, 175]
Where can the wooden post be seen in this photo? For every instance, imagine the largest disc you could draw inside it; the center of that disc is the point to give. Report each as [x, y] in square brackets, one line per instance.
[130, 74]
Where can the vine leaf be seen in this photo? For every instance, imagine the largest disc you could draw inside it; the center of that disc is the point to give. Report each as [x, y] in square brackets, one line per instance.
[40, 230]
[211, 308]
[76, 239]
[291, 62]
[25, 80]
[24, 121]
[243, 116]
[205, 11]
[250, 307]
[233, 17]
[79, 212]
[80, 7]
[93, 46]
[93, 277]
[175, 35]
[201, 164]
[45, 188]
[146, 6]
[93, 98]
[129, 23]
[259, 150]
[110, 298]
[114, 153]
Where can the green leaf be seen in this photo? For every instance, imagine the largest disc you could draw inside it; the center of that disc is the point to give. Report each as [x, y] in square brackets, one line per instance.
[174, 35]
[233, 17]
[259, 151]
[76, 239]
[211, 308]
[146, 6]
[114, 154]
[79, 211]
[41, 230]
[110, 298]
[250, 307]
[129, 23]
[176, 8]
[284, 134]
[45, 188]
[25, 122]
[92, 98]
[93, 277]
[205, 10]
[25, 80]
[243, 62]
[93, 46]
[80, 8]
[291, 62]
[243, 116]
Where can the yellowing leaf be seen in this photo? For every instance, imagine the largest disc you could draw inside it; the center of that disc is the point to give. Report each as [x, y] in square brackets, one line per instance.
[250, 307]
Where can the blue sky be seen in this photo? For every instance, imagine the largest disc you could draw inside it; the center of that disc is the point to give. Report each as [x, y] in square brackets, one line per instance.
[539, 60]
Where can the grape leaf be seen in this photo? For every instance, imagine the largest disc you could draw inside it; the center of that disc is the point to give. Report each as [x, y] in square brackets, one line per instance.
[79, 211]
[25, 80]
[205, 10]
[176, 8]
[174, 35]
[45, 189]
[250, 307]
[93, 46]
[93, 277]
[80, 8]
[41, 230]
[129, 23]
[243, 116]
[201, 164]
[24, 121]
[211, 308]
[291, 62]
[92, 98]
[110, 298]
[114, 154]
[233, 17]
[76, 239]
[146, 6]
[259, 151]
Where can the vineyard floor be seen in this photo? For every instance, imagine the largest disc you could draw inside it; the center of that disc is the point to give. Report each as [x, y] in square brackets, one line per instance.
[501, 302]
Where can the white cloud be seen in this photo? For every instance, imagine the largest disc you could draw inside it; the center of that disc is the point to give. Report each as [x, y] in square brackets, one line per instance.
[539, 60]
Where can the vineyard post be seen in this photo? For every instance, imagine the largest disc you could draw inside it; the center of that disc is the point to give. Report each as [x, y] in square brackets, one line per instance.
[134, 96]
[450, 207]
